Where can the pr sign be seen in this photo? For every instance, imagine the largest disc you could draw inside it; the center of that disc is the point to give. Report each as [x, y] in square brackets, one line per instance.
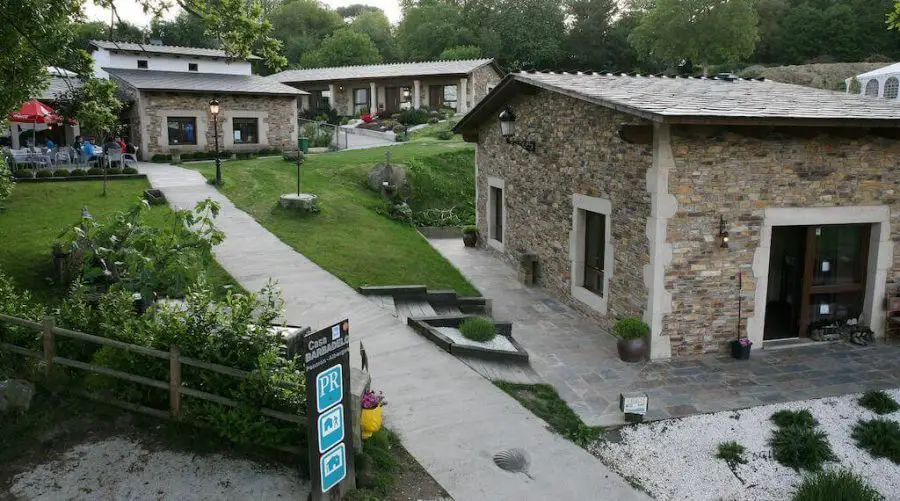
[327, 357]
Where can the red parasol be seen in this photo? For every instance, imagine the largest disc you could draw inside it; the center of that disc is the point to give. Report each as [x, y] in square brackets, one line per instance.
[34, 112]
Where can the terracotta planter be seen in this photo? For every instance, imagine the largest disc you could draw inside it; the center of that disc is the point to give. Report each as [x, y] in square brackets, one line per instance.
[632, 350]
[370, 421]
[470, 239]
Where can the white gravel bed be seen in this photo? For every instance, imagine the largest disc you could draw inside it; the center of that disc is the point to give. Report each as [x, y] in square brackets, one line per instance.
[119, 468]
[500, 343]
[675, 459]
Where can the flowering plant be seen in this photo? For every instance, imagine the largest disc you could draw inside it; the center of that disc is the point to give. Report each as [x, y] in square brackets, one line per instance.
[367, 118]
[745, 342]
[372, 400]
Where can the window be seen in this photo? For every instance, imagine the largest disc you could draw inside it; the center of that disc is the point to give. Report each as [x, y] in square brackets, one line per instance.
[405, 98]
[192, 66]
[442, 96]
[182, 130]
[891, 88]
[361, 101]
[591, 251]
[490, 88]
[319, 99]
[246, 130]
[872, 88]
[142, 64]
[449, 100]
[496, 213]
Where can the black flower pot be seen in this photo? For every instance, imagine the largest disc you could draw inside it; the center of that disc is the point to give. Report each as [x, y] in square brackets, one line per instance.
[740, 351]
[632, 350]
[470, 239]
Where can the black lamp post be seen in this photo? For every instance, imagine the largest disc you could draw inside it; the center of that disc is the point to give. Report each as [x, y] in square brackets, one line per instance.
[214, 109]
[508, 130]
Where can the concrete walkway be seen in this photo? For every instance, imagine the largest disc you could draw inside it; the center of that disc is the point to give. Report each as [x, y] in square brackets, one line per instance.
[449, 418]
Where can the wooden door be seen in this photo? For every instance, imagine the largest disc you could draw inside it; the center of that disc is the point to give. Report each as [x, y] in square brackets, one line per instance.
[435, 96]
[392, 100]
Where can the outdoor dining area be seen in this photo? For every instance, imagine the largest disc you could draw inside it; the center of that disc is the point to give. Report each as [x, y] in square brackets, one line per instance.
[46, 154]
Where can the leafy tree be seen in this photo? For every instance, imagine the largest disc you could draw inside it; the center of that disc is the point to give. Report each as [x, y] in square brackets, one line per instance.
[97, 30]
[344, 47]
[185, 30]
[6, 180]
[302, 25]
[704, 31]
[356, 10]
[893, 17]
[533, 32]
[589, 38]
[461, 52]
[430, 26]
[375, 24]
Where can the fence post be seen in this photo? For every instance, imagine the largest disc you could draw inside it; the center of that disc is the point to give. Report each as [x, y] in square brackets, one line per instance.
[49, 344]
[175, 381]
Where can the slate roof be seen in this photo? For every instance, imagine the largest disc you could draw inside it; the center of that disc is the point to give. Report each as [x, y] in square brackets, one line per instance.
[58, 83]
[394, 70]
[699, 100]
[182, 81]
[173, 50]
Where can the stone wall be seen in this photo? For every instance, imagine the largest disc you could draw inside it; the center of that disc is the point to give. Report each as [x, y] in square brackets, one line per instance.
[578, 152]
[277, 123]
[479, 81]
[720, 172]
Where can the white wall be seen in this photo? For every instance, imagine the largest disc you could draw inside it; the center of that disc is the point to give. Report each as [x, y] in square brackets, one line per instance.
[162, 62]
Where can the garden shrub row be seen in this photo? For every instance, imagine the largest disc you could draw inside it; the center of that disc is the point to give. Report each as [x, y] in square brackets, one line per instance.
[211, 155]
[93, 171]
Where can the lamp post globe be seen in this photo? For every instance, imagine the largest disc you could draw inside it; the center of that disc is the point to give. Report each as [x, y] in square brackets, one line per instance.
[214, 110]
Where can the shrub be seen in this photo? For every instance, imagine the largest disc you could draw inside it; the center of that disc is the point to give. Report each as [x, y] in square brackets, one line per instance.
[399, 129]
[785, 418]
[61, 173]
[835, 485]
[433, 120]
[24, 173]
[412, 116]
[801, 447]
[78, 173]
[879, 402]
[160, 159]
[881, 437]
[631, 328]
[445, 135]
[18, 303]
[95, 171]
[264, 152]
[732, 453]
[129, 170]
[44, 173]
[470, 229]
[478, 329]
[115, 171]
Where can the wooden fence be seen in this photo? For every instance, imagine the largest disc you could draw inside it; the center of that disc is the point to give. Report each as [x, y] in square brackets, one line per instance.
[49, 330]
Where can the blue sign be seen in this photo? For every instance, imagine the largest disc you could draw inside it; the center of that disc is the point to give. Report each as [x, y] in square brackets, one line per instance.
[331, 428]
[333, 467]
[329, 388]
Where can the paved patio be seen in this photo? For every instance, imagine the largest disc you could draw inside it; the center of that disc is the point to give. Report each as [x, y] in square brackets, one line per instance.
[572, 352]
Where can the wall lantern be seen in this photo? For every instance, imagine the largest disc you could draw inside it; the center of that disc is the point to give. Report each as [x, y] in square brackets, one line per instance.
[406, 92]
[723, 233]
[214, 107]
[508, 130]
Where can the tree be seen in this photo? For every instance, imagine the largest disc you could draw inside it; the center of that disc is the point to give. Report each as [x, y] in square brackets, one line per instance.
[350, 12]
[533, 32]
[98, 30]
[375, 24]
[461, 52]
[893, 17]
[702, 31]
[588, 41]
[302, 25]
[6, 180]
[185, 29]
[344, 47]
[430, 26]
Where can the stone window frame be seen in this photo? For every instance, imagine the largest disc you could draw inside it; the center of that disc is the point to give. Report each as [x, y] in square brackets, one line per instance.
[496, 182]
[246, 120]
[580, 205]
[262, 125]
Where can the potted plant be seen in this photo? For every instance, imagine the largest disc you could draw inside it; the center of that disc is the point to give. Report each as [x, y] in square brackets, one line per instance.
[371, 417]
[470, 236]
[740, 348]
[632, 344]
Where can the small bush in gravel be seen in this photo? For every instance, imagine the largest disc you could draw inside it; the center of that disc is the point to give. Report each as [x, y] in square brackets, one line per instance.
[881, 437]
[478, 329]
[879, 402]
[835, 485]
[787, 418]
[732, 453]
[801, 447]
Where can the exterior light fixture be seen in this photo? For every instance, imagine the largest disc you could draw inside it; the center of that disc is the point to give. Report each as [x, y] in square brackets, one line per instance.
[214, 109]
[508, 130]
[723, 233]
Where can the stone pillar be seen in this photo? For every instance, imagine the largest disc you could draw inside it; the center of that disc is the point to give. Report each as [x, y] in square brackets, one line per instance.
[14, 136]
[417, 94]
[304, 102]
[462, 105]
[350, 110]
[71, 132]
[332, 94]
[359, 384]
[373, 98]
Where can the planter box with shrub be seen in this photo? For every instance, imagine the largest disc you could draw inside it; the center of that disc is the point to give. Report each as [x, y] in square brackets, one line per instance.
[633, 336]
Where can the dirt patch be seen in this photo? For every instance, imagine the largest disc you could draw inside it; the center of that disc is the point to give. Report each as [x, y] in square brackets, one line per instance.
[413, 483]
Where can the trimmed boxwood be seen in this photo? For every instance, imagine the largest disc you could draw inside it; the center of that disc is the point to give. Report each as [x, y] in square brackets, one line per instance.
[78, 173]
[478, 329]
[161, 159]
[129, 170]
[95, 171]
[445, 135]
[115, 171]
[44, 173]
[24, 173]
[631, 328]
[61, 173]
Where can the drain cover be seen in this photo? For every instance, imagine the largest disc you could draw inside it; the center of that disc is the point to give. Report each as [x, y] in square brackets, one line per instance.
[513, 460]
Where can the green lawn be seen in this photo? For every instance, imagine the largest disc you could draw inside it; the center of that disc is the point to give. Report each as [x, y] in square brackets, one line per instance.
[348, 238]
[37, 213]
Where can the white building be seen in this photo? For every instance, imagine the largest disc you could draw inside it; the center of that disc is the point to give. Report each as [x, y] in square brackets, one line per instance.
[154, 57]
[883, 82]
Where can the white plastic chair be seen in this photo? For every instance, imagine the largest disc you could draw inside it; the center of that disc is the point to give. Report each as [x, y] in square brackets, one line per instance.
[114, 155]
[131, 158]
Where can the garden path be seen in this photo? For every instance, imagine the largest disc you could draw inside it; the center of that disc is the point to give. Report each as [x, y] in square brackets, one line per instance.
[575, 355]
[449, 418]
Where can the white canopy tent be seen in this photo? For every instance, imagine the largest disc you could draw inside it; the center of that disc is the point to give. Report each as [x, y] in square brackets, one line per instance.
[883, 83]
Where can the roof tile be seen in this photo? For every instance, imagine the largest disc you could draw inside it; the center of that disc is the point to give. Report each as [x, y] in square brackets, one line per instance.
[394, 70]
[180, 81]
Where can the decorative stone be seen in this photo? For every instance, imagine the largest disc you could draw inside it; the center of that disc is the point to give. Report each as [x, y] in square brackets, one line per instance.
[304, 202]
[15, 394]
[393, 174]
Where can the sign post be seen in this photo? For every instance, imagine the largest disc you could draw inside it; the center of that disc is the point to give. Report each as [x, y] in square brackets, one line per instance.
[327, 357]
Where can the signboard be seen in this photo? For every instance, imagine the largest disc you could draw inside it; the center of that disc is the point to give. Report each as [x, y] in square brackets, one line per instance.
[327, 357]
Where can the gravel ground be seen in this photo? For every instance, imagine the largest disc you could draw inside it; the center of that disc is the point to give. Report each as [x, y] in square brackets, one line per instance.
[675, 459]
[122, 469]
[498, 343]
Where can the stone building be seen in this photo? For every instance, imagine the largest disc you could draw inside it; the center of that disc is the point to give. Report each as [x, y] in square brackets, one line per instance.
[167, 91]
[709, 208]
[350, 90]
